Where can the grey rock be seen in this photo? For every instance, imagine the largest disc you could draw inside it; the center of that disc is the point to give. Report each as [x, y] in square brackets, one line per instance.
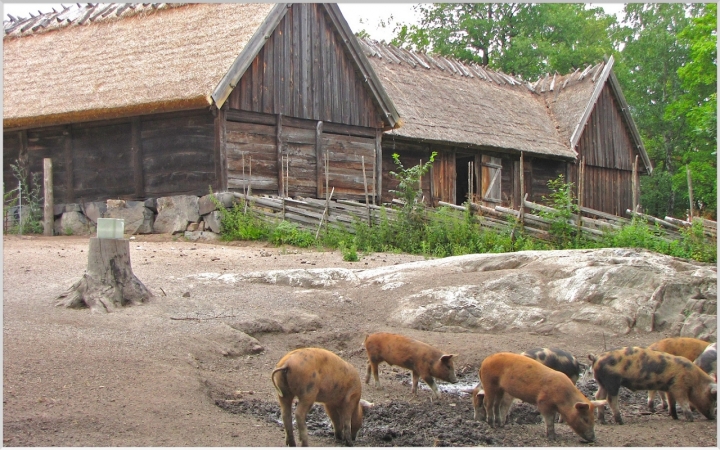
[213, 221]
[174, 213]
[201, 236]
[94, 210]
[73, 223]
[206, 205]
[138, 218]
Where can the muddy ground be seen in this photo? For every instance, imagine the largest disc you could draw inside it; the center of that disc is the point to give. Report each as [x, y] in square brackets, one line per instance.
[155, 375]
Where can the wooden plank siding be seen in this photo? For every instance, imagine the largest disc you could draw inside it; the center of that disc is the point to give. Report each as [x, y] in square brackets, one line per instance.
[133, 158]
[607, 148]
[253, 135]
[303, 75]
[303, 71]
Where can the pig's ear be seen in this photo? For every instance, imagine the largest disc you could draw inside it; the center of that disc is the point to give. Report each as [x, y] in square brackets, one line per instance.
[713, 389]
[581, 406]
[446, 358]
[592, 358]
[480, 394]
[365, 404]
[597, 403]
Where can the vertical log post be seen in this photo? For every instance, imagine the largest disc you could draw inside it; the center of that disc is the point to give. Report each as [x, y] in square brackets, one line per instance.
[581, 190]
[690, 194]
[278, 143]
[318, 158]
[367, 202]
[378, 165]
[48, 214]
[634, 185]
[522, 188]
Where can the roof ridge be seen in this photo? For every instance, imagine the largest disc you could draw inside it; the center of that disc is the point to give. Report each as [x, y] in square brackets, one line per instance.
[77, 14]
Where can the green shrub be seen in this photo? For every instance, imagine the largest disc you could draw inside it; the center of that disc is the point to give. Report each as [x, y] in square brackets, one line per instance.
[239, 225]
[286, 233]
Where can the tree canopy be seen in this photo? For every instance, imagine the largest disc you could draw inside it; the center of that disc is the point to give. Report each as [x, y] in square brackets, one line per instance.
[666, 62]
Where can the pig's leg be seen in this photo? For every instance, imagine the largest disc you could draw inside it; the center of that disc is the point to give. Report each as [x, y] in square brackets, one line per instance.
[505, 405]
[286, 412]
[651, 400]
[549, 419]
[373, 368]
[673, 408]
[664, 398]
[301, 411]
[601, 394]
[431, 382]
[613, 401]
[332, 412]
[415, 379]
[488, 404]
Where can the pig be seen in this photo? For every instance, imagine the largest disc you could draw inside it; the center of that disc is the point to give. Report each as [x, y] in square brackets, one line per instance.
[423, 360]
[557, 359]
[638, 368]
[687, 347]
[478, 398]
[318, 375]
[532, 382]
[707, 360]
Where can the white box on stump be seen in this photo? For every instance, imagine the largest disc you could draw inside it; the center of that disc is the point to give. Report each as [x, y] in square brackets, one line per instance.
[110, 228]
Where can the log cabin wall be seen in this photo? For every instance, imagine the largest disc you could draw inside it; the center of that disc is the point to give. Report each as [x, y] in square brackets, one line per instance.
[609, 154]
[302, 99]
[133, 158]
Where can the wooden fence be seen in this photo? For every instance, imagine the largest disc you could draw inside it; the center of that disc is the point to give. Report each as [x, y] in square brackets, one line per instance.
[312, 214]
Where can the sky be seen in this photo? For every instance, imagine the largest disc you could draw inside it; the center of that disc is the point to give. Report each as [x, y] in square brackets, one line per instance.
[367, 16]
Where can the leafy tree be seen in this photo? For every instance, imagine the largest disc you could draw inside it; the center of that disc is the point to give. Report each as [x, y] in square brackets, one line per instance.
[519, 38]
[648, 72]
[698, 105]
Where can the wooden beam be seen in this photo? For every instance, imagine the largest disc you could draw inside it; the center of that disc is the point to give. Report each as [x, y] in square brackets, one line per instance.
[68, 157]
[278, 144]
[318, 158]
[136, 157]
[48, 213]
[378, 164]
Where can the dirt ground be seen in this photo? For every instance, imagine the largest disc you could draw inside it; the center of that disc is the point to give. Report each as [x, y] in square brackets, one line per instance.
[146, 375]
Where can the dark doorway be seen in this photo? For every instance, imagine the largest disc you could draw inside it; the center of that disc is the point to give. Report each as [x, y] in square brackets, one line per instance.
[461, 179]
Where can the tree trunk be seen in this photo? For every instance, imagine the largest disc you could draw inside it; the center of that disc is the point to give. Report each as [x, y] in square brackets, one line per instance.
[108, 282]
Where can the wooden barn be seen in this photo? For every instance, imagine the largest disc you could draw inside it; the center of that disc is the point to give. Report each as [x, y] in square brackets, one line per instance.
[136, 101]
[482, 123]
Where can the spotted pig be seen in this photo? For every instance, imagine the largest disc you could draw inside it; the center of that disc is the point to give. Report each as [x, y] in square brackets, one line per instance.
[318, 375]
[686, 347]
[423, 360]
[707, 360]
[557, 359]
[637, 368]
[530, 381]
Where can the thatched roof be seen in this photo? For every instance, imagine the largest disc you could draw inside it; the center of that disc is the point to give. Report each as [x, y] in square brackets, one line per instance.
[94, 62]
[445, 100]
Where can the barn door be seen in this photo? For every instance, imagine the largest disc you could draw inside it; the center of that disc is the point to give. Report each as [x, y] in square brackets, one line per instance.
[491, 178]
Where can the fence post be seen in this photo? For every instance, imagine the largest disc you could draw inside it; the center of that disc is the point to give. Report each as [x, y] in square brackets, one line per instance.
[690, 194]
[48, 213]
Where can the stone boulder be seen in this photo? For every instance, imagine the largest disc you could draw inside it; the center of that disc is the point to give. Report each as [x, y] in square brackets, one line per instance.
[207, 205]
[138, 218]
[94, 210]
[175, 213]
[73, 223]
[230, 342]
[287, 322]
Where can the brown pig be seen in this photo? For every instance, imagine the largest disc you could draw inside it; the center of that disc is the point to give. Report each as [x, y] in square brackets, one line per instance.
[638, 368]
[532, 382]
[423, 360]
[686, 347]
[318, 375]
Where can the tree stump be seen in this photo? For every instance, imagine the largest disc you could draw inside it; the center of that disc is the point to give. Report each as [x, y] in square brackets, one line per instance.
[108, 282]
